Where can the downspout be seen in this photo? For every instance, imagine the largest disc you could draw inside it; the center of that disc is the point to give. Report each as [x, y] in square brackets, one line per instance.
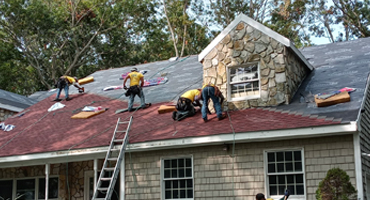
[95, 173]
[47, 172]
[122, 193]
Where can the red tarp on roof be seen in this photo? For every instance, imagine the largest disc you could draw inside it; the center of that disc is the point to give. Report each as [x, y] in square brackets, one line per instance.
[39, 131]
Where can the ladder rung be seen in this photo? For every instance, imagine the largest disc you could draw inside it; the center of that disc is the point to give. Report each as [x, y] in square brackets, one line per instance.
[112, 159]
[115, 149]
[108, 169]
[125, 122]
[121, 131]
[99, 198]
[118, 140]
[105, 179]
[102, 189]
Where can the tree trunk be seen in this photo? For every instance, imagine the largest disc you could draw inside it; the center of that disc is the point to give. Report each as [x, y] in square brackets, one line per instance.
[185, 27]
[171, 30]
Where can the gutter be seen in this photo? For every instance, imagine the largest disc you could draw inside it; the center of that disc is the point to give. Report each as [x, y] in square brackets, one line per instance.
[257, 136]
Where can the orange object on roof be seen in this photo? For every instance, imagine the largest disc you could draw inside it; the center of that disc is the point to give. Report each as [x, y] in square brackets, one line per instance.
[86, 115]
[166, 108]
[339, 98]
[85, 80]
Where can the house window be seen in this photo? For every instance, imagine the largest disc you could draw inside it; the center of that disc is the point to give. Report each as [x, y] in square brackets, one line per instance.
[177, 179]
[244, 82]
[285, 172]
[30, 188]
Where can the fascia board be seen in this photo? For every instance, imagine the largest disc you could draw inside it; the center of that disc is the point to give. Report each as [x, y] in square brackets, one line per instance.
[299, 54]
[99, 152]
[285, 41]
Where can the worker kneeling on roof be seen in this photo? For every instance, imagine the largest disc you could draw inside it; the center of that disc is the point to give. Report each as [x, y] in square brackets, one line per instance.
[185, 104]
[63, 83]
[136, 78]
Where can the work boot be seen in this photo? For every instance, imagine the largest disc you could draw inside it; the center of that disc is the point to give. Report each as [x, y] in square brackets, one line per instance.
[68, 98]
[57, 100]
[222, 117]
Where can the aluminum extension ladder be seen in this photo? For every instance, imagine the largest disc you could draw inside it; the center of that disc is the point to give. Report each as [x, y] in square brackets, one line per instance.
[108, 175]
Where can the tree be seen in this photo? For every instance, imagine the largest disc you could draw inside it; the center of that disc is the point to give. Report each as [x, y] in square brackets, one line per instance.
[336, 186]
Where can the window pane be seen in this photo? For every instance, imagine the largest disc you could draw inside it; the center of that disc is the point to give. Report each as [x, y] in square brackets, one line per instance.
[181, 163]
[299, 178]
[168, 194]
[300, 190]
[175, 184]
[167, 184]
[188, 173]
[271, 168]
[167, 164]
[271, 157]
[25, 189]
[174, 173]
[244, 73]
[291, 189]
[53, 188]
[280, 156]
[288, 156]
[174, 163]
[281, 189]
[298, 166]
[6, 189]
[181, 173]
[281, 179]
[272, 179]
[288, 167]
[290, 179]
[167, 173]
[182, 183]
[175, 194]
[297, 156]
[182, 194]
[188, 162]
[273, 190]
[244, 89]
[190, 193]
[189, 183]
[280, 167]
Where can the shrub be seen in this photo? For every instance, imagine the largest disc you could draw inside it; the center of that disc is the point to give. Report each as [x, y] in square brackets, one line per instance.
[336, 186]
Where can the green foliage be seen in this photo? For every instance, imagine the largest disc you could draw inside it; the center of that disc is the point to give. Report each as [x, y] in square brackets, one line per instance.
[336, 186]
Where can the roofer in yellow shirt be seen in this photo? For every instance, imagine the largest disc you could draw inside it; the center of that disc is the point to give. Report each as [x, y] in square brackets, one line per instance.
[185, 104]
[63, 83]
[136, 84]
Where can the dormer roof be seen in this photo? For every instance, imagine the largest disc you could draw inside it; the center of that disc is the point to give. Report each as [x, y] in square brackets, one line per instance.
[244, 18]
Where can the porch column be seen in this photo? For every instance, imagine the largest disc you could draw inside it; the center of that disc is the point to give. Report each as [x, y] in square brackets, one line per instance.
[47, 172]
[122, 179]
[95, 173]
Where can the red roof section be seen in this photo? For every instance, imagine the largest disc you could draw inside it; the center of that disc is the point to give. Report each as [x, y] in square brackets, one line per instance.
[40, 131]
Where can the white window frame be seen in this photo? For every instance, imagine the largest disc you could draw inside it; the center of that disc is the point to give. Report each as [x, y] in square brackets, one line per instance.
[162, 174]
[14, 192]
[87, 176]
[265, 164]
[248, 97]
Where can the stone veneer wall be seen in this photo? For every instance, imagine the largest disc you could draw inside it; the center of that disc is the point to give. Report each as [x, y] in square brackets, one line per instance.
[75, 176]
[4, 114]
[280, 71]
[213, 174]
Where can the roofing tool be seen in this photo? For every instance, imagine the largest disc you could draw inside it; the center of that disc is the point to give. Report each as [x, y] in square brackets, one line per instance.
[109, 173]
[82, 90]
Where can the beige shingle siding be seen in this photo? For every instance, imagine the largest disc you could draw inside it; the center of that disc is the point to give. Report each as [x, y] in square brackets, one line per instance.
[213, 174]
[365, 140]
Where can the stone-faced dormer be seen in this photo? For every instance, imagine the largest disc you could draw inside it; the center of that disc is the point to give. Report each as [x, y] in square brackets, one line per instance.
[253, 65]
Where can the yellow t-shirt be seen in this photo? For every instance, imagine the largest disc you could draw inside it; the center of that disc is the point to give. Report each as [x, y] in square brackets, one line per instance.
[70, 79]
[208, 84]
[135, 78]
[191, 94]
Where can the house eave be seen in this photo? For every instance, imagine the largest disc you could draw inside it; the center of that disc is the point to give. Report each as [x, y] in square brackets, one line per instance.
[99, 152]
[10, 108]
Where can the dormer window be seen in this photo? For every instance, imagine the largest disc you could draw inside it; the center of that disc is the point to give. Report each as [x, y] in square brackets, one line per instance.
[243, 82]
